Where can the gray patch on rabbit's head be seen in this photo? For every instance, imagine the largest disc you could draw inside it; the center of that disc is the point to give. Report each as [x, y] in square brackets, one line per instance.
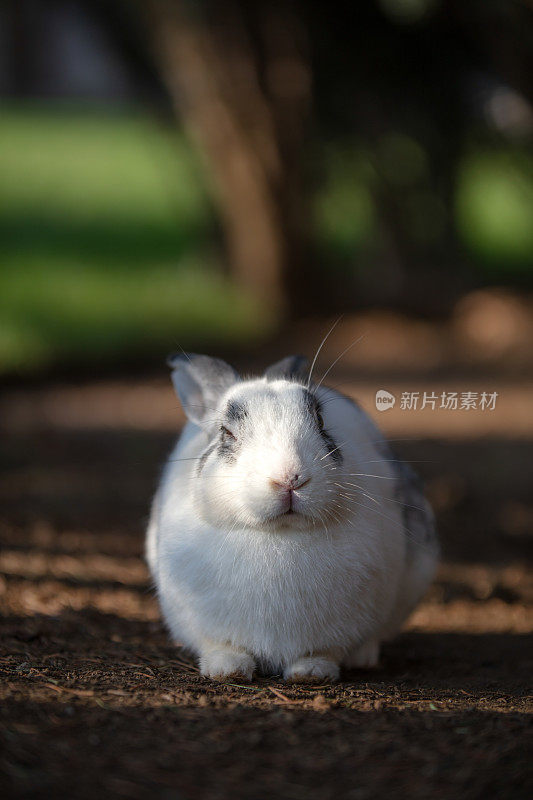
[205, 455]
[334, 451]
[226, 447]
[314, 409]
[235, 411]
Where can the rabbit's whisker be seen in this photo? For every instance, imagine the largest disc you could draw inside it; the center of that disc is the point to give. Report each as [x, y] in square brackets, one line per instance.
[391, 499]
[321, 345]
[368, 475]
[332, 451]
[326, 373]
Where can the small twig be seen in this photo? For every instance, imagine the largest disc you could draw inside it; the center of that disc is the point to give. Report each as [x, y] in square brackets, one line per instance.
[61, 689]
[281, 695]
[241, 686]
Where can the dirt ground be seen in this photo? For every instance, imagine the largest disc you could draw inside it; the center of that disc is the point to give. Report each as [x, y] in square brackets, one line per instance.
[95, 702]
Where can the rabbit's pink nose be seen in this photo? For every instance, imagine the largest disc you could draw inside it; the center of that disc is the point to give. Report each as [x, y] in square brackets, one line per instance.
[290, 483]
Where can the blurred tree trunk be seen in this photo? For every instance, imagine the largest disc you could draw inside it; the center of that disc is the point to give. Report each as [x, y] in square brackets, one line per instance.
[239, 78]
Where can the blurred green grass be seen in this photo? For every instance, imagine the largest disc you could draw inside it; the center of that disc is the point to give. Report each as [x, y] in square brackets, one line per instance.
[108, 242]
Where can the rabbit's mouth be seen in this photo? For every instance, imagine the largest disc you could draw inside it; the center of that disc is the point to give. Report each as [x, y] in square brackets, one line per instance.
[293, 502]
[291, 519]
[289, 512]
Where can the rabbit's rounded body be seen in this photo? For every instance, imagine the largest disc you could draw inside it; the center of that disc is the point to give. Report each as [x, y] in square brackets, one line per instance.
[243, 583]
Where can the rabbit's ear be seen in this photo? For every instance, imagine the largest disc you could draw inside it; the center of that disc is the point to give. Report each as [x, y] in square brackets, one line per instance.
[292, 368]
[199, 382]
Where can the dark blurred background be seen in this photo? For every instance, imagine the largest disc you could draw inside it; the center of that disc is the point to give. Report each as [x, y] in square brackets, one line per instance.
[211, 174]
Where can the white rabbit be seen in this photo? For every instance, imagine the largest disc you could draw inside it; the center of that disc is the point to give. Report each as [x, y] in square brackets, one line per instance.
[283, 536]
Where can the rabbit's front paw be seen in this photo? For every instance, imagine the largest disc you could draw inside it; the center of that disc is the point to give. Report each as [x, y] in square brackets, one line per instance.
[225, 662]
[312, 669]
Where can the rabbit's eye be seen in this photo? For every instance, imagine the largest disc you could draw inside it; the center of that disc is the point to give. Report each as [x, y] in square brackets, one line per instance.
[320, 420]
[226, 434]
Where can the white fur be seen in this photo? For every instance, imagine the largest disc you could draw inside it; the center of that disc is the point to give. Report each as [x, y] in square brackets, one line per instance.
[240, 585]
